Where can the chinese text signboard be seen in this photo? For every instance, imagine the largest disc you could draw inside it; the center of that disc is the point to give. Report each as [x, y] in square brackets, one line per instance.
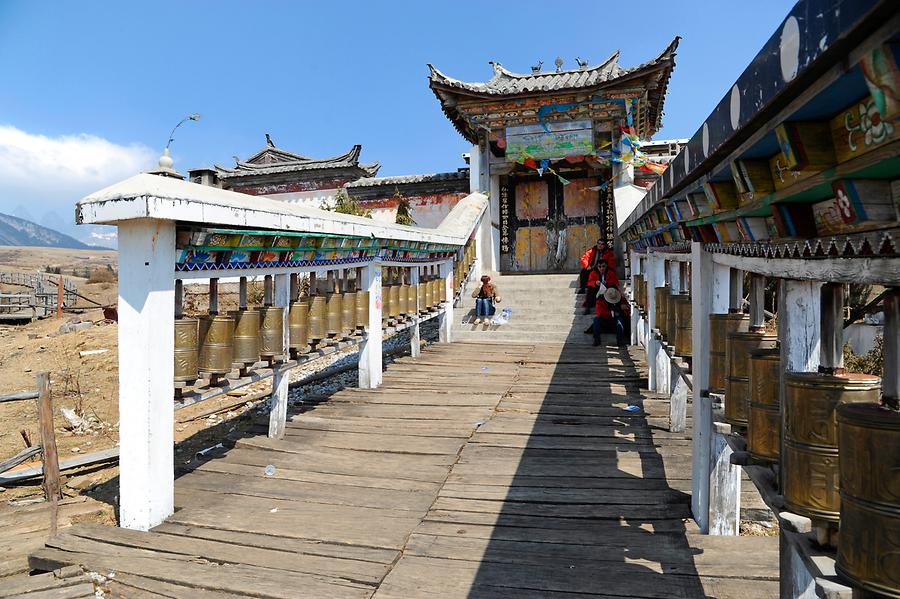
[574, 138]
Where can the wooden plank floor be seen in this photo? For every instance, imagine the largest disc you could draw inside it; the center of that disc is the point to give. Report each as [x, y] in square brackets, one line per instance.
[477, 470]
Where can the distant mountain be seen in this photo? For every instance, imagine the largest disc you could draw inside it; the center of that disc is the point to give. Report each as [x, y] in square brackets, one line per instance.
[18, 231]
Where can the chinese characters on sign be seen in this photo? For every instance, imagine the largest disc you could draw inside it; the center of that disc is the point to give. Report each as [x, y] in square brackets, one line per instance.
[504, 219]
[574, 138]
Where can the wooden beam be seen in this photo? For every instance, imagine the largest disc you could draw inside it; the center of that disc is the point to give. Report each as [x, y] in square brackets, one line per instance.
[879, 271]
[48, 442]
[890, 384]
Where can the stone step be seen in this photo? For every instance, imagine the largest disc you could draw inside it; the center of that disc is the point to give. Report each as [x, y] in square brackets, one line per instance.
[518, 337]
[526, 327]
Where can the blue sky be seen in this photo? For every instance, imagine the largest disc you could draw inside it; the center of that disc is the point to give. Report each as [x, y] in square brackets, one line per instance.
[90, 90]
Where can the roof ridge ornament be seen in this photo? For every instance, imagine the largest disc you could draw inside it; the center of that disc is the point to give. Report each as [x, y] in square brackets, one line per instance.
[559, 63]
[536, 68]
[582, 64]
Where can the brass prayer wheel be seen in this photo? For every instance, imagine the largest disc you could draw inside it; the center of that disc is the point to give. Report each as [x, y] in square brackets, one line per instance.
[669, 332]
[334, 303]
[661, 305]
[429, 294]
[442, 290]
[186, 350]
[810, 452]
[385, 303]
[394, 291]
[348, 312]
[362, 309]
[246, 338]
[271, 332]
[298, 325]
[403, 300]
[412, 294]
[216, 344]
[720, 326]
[682, 341]
[737, 382]
[869, 438]
[317, 317]
[423, 307]
[764, 419]
[636, 292]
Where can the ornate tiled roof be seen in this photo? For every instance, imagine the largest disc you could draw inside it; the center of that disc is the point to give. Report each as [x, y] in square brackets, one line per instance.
[273, 160]
[462, 175]
[590, 79]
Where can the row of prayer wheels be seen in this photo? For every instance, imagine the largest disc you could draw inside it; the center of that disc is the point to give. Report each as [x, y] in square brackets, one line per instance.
[838, 447]
[462, 267]
[673, 319]
[399, 301]
[214, 345]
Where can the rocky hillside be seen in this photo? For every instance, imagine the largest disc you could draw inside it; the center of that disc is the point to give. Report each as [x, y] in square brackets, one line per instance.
[18, 231]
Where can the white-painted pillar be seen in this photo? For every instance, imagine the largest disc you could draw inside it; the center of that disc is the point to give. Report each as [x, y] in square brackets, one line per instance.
[146, 346]
[656, 276]
[415, 339]
[635, 267]
[724, 485]
[281, 379]
[475, 168]
[370, 369]
[445, 320]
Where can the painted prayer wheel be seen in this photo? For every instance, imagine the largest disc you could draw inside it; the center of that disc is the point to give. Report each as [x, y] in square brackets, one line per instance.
[683, 330]
[298, 325]
[394, 290]
[737, 382]
[385, 303]
[348, 312]
[429, 294]
[661, 305]
[403, 300]
[867, 554]
[412, 295]
[216, 344]
[334, 303]
[317, 318]
[246, 338]
[187, 347]
[720, 326]
[810, 452]
[423, 307]
[271, 332]
[764, 419]
[636, 292]
[362, 309]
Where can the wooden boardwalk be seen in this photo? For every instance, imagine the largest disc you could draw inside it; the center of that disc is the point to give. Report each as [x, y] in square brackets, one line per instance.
[477, 470]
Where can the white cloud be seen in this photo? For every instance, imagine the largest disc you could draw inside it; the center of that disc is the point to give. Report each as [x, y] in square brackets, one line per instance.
[49, 174]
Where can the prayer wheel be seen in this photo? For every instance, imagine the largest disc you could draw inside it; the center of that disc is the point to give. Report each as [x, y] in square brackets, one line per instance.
[271, 332]
[810, 453]
[412, 292]
[334, 303]
[636, 292]
[186, 350]
[669, 333]
[317, 318]
[385, 303]
[737, 382]
[246, 338]
[429, 294]
[394, 290]
[423, 307]
[683, 307]
[720, 326]
[348, 312]
[661, 305]
[869, 438]
[403, 300]
[764, 419]
[442, 290]
[362, 309]
[298, 325]
[644, 300]
[216, 344]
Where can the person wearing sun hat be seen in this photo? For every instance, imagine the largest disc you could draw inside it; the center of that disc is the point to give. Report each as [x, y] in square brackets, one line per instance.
[610, 316]
[486, 295]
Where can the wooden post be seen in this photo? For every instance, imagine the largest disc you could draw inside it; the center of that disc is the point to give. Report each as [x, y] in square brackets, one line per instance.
[415, 340]
[267, 290]
[657, 278]
[48, 446]
[295, 287]
[242, 293]
[370, 370]
[214, 296]
[757, 302]
[179, 298]
[281, 378]
[59, 295]
[736, 286]
[146, 345]
[890, 384]
[724, 485]
[831, 352]
[445, 319]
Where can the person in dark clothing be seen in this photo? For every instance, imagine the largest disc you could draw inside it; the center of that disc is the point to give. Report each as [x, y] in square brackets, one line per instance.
[485, 297]
[590, 259]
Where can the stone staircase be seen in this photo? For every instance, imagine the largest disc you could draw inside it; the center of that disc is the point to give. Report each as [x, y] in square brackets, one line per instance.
[545, 309]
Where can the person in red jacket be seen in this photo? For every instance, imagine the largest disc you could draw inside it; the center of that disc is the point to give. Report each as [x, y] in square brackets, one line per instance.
[590, 259]
[595, 256]
[611, 307]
